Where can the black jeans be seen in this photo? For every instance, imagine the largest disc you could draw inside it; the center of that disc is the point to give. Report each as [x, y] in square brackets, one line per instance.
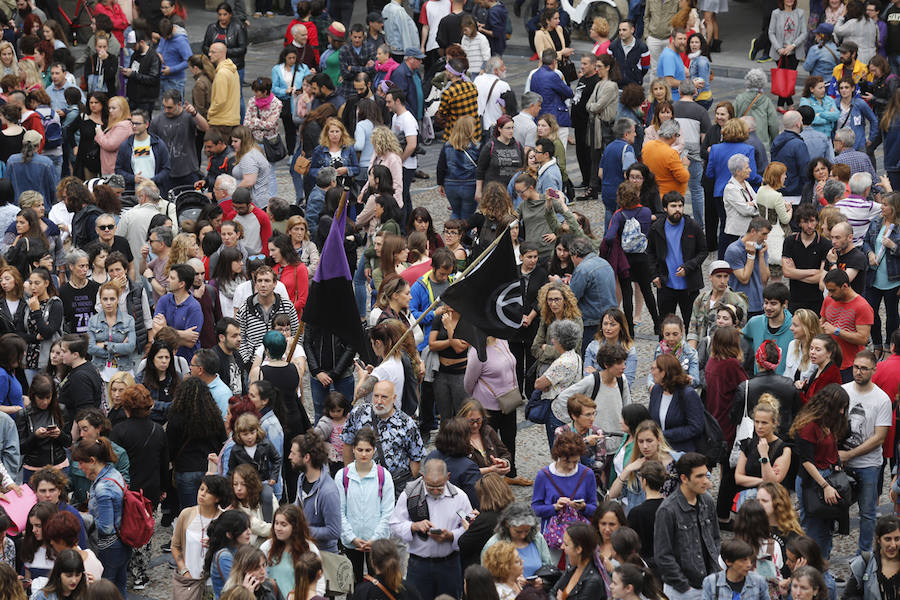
[426, 410]
[788, 61]
[357, 559]
[727, 489]
[505, 426]
[583, 154]
[874, 296]
[290, 130]
[640, 273]
[409, 175]
[670, 299]
[521, 351]
[710, 214]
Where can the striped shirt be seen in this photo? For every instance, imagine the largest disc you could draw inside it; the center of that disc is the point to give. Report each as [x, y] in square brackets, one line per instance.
[859, 213]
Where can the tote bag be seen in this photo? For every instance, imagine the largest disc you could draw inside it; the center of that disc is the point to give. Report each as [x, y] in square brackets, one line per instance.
[784, 81]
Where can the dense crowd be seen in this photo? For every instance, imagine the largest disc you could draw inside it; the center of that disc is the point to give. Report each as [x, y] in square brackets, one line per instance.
[154, 276]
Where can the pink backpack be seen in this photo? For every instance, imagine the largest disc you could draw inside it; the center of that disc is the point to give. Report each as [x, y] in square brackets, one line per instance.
[346, 479]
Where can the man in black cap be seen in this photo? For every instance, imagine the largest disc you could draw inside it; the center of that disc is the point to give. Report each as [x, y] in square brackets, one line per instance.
[848, 66]
[375, 35]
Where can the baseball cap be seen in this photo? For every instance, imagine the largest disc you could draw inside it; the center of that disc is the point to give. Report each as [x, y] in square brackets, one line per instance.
[720, 266]
[414, 53]
[374, 17]
[33, 137]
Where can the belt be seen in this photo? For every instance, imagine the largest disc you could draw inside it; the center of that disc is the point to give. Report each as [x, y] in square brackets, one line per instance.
[434, 559]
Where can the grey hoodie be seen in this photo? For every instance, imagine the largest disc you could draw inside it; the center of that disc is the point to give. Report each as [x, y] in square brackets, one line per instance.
[322, 507]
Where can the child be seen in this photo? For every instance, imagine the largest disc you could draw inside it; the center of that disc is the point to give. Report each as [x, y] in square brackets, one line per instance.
[250, 497]
[252, 447]
[453, 229]
[673, 343]
[738, 577]
[330, 427]
[630, 582]
[642, 517]
[67, 580]
[307, 572]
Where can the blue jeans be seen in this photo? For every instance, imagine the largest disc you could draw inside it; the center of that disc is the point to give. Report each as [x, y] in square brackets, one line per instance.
[115, 564]
[320, 393]
[241, 76]
[609, 208]
[435, 578]
[172, 83]
[867, 500]
[461, 197]
[187, 485]
[895, 63]
[695, 187]
[360, 286]
[57, 161]
[818, 529]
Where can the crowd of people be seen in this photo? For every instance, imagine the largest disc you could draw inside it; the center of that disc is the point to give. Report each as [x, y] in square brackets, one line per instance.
[155, 272]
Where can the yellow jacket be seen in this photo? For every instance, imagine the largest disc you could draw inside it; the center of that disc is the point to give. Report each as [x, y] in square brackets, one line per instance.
[225, 99]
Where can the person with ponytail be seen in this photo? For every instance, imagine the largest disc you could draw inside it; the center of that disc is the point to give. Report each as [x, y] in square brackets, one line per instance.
[764, 456]
[105, 501]
[307, 573]
[386, 577]
[630, 582]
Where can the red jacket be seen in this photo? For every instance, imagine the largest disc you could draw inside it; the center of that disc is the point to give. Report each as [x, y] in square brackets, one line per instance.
[296, 279]
[118, 18]
[265, 226]
[832, 374]
[887, 377]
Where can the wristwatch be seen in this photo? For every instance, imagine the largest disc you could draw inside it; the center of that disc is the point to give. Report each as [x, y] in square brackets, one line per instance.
[837, 331]
[763, 460]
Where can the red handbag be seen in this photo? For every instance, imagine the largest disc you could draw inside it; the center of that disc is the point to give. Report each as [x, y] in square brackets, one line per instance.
[784, 81]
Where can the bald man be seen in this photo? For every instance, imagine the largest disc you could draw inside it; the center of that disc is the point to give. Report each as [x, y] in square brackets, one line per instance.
[225, 100]
[847, 257]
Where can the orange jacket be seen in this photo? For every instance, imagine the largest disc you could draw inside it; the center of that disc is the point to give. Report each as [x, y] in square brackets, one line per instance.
[665, 163]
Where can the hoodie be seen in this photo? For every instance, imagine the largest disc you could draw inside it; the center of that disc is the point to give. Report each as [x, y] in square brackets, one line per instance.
[225, 99]
[790, 149]
[175, 53]
[757, 331]
[322, 508]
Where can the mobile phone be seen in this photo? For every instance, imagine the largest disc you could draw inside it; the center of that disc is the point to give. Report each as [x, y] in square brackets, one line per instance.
[53, 427]
[553, 193]
[579, 502]
[435, 530]
[532, 578]
[359, 363]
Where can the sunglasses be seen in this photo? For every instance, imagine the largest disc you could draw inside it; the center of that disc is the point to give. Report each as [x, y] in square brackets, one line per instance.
[105, 227]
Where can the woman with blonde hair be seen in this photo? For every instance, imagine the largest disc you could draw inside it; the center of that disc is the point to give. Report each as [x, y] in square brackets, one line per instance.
[805, 325]
[251, 167]
[556, 302]
[184, 247]
[829, 216]
[385, 151]
[118, 129]
[456, 168]
[336, 150]
[600, 34]
[9, 65]
[30, 75]
[659, 91]
[115, 388]
[503, 561]
[764, 457]
[298, 229]
[649, 444]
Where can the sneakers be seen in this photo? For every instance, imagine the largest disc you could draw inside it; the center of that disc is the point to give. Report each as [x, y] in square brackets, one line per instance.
[257, 15]
[764, 59]
[752, 49]
[534, 56]
[140, 583]
[269, 14]
[167, 547]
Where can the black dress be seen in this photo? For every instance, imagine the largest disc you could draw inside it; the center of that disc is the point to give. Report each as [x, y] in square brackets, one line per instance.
[147, 446]
[10, 144]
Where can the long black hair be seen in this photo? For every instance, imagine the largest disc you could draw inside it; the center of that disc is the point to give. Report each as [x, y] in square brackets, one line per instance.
[67, 562]
[224, 532]
[151, 376]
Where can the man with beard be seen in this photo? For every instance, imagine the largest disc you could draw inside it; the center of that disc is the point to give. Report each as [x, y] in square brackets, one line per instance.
[231, 367]
[849, 66]
[774, 324]
[401, 448]
[324, 92]
[584, 87]
[846, 257]
[670, 65]
[803, 261]
[355, 58]
[706, 305]
[748, 257]
[317, 494]
[677, 249]
[847, 317]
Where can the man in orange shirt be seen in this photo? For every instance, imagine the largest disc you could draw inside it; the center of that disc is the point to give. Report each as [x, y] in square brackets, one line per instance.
[669, 168]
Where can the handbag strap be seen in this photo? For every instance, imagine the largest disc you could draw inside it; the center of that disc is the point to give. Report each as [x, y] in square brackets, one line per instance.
[488, 99]
[380, 586]
[746, 110]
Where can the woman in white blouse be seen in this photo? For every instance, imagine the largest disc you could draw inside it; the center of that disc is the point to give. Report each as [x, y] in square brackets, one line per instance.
[739, 199]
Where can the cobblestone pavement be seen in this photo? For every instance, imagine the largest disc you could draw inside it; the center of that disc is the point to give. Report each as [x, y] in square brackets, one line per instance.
[531, 447]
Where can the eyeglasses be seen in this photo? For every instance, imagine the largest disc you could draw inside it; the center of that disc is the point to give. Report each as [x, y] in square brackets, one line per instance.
[862, 368]
[106, 227]
[554, 299]
[476, 421]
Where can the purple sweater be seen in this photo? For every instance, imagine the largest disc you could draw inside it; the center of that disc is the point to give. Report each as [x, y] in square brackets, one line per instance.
[641, 213]
[545, 494]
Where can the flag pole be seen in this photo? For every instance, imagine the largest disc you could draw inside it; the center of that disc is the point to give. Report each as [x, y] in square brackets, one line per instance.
[437, 300]
[300, 328]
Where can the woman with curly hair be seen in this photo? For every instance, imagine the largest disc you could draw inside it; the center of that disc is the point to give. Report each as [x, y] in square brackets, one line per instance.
[784, 524]
[298, 230]
[184, 247]
[556, 302]
[505, 565]
[493, 207]
[816, 430]
[10, 586]
[247, 495]
[51, 485]
[290, 539]
[195, 430]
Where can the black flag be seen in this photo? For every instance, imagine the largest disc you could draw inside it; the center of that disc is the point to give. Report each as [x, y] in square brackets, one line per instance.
[489, 298]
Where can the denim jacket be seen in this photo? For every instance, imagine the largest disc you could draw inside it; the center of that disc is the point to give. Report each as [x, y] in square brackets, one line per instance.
[680, 539]
[715, 587]
[105, 501]
[458, 165]
[120, 341]
[891, 256]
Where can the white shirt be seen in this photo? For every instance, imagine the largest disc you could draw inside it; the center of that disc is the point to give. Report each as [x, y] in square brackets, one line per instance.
[525, 130]
[488, 107]
[60, 215]
[664, 403]
[867, 411]
[252, 237]
[435, 10]
[391, 370]
[406, 124]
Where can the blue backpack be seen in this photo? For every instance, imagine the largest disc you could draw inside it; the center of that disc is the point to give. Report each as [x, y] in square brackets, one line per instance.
[53, 134]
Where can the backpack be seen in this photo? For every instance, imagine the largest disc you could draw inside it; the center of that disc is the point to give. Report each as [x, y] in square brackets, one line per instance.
[136, 528]
[633, 239]
[711, 441]
[346, 479]
[53, 133]
[596, 389]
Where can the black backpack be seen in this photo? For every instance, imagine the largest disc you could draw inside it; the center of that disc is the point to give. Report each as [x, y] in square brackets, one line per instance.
[711, 441]
[619, 380]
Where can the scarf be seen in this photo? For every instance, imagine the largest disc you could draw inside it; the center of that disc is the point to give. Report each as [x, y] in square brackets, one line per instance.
[677, 350]
[761, 356]
[453, 71]
[263, 103]
[694, 55]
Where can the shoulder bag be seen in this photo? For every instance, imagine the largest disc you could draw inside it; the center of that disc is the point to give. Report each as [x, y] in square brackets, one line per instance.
[744, 430]
[273, 147]
[301, 165]
[508, 401]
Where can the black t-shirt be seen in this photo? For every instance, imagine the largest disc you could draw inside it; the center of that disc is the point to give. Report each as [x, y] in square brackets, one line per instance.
[450, 30]
[736, 586]
[78, 305]
[230, 371]
[805, 257]
[855, 259]
[753, 468]
[642, 518]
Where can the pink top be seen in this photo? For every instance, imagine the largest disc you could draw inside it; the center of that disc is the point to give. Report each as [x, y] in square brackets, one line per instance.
[109, 142]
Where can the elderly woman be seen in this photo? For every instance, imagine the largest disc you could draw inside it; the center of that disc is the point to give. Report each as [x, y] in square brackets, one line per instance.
[756, 103]
[506, 567]
[739, 201]
[734, 137]
[519, 526]
[565, 338]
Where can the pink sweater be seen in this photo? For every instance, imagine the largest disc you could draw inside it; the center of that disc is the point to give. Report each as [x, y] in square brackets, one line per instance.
[109, 142]
[485, 381]
[395, 166]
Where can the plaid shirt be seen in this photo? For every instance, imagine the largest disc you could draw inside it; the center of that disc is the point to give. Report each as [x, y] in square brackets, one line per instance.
[458, 100]
[352, 63]
[858, 162]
